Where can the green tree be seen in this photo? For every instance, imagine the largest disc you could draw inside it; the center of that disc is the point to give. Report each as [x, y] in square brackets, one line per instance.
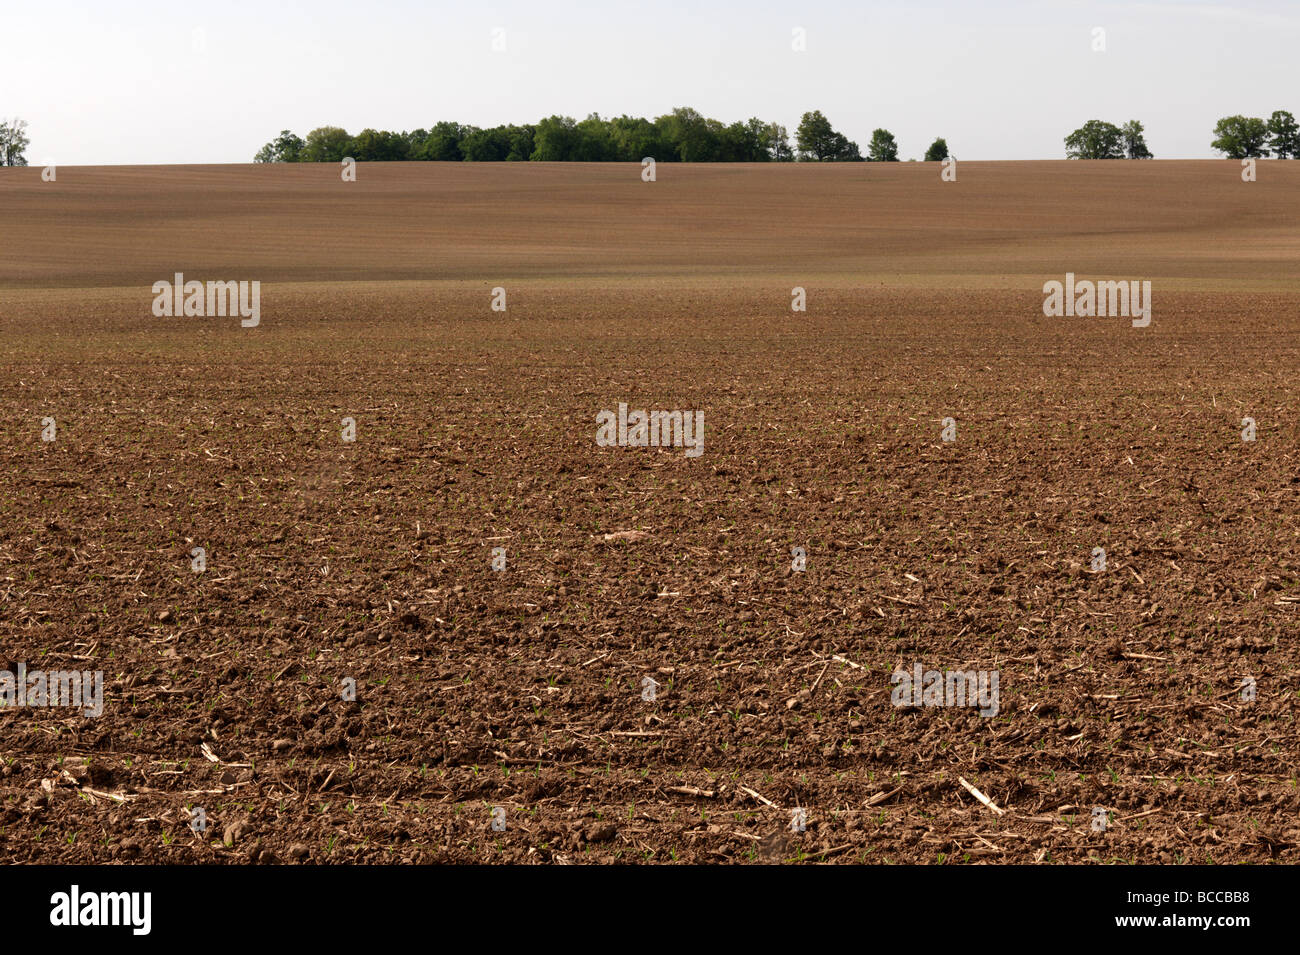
[756, 140]
[414, 141]
[819, 142]
[815, 137]
[1285, 141]
[13, 143]
[882, 147]
[690, 136]
[326, 144]
[712, 143]
[499, 144]
[442, 144]
[286, 147]
[749, 141]
[595, 141]
[635, 138]
[1135, 144]
[845, 150]
[1095, 140]
[739, 144]
[486, 145]
[777, 142]
[521, 143]
[1241, 137]
[938, 151]
[555, 140]
[374, 145]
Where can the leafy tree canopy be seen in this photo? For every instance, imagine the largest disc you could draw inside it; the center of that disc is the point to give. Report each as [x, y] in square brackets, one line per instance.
[1284, 135]
[13, 143]
[938, 151]
[1241, 137]
[882, 147]
[1095, 140]
[325, 144]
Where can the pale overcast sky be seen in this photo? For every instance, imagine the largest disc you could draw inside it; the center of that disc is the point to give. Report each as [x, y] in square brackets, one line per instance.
[177, 82]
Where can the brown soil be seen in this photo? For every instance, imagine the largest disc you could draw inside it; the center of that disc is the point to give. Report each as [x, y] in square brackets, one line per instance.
[522, 689]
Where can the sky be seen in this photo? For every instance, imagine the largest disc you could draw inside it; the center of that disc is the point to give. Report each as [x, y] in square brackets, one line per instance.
[178, 82]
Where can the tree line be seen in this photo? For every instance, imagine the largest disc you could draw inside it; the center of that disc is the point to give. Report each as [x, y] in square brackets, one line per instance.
[1096, 139]
[1249, 137]
[1237, 137]
[684, 135]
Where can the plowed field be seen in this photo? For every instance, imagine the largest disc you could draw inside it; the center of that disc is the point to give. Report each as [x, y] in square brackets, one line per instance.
[650, 678]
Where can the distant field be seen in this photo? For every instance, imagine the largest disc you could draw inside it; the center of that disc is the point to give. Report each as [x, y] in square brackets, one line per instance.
[1001, 225]
[523, 689]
